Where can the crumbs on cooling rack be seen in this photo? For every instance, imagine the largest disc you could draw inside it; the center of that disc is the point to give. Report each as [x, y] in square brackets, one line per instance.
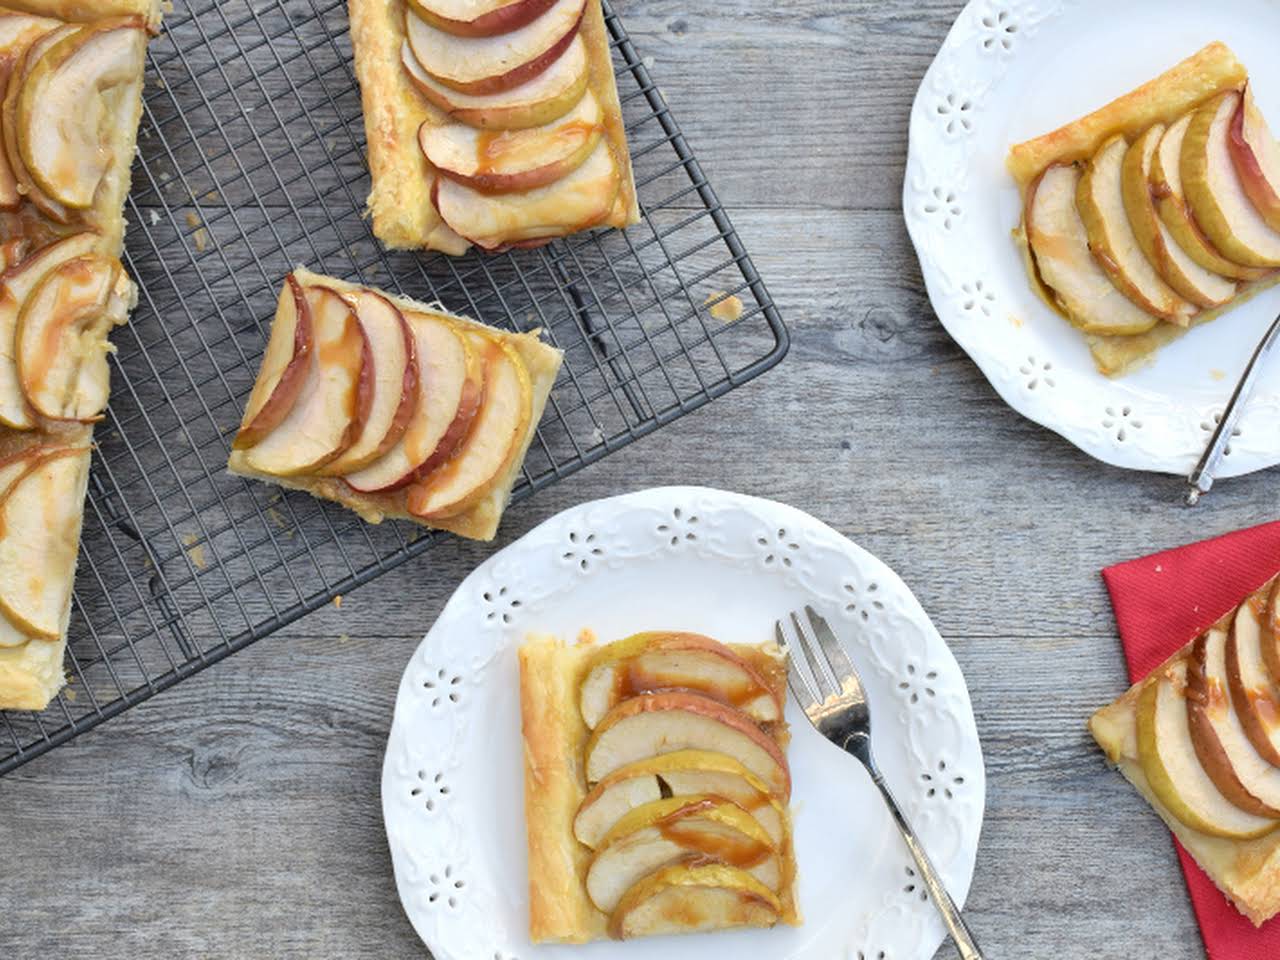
[195, 550]
[724, 306]
[337, 602]
[587, 635]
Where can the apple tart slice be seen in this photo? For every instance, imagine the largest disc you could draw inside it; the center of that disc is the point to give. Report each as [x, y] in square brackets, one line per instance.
[656, 787]
[1200, 740]
[493, 123]
[1156, 213]
[70, 99]
[392, 408]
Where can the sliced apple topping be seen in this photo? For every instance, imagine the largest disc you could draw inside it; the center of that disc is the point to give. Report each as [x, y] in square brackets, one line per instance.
[648, 662]
[1100, 202]
[1255, 695]
[1240, 773]
[16, 286]
[509, 160]
[683, 773]
[1257, 158]
[1171, 204]
[39, 540]
[64, 113]
[480, 65]
[323, 421]
[19, 29]
[393, 363]
[550, 94]
[1172, 768]
[1060, 246]
[9, 122]
[1190, 280]
[651, 724]
[693, 896]
[1271, 635]
[493, 441]
[284, 368]
[1215, 191]
[479, 18]
[668, 830]
[450, 376]
[61, 343]
[10, 198]
[579, 200]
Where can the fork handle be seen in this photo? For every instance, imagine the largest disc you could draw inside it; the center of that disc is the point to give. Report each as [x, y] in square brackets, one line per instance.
[964, 941]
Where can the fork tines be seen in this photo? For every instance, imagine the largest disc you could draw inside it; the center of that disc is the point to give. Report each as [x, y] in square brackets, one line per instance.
[830, 671]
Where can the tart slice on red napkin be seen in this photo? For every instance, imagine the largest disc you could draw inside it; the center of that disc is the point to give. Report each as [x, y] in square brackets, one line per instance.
[1199, 735]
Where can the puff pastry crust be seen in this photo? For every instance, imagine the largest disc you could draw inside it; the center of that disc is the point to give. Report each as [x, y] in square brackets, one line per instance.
[1207, 73]
[404, 217]
[554, 734]
[478, 522]
[31, 674]
[1246, 871]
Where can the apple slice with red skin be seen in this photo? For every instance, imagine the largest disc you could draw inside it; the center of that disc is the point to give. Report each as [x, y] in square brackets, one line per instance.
[479, 18]
[648, 662]
[482, 65]
[1241, 775]
[514, 160]
[1271, 635]
[9, 122]
[549, 95]
[495, 221]
[694, 896]
[449, 381]
[1215, 191]
[1254, 693]
[63, 113]
[1257, 158]
[39, 541]
[61, 344]
[492, 442]
[324, 419]
[16, 285]
[284, 368]
[1171, 763]
[393, 366]
[656, 723]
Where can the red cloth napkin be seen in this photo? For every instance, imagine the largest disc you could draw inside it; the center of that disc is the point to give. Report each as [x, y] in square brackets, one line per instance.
[1162, 602]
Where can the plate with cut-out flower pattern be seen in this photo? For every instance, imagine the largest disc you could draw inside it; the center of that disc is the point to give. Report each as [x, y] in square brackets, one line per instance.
[1010, 70]
[728, 566]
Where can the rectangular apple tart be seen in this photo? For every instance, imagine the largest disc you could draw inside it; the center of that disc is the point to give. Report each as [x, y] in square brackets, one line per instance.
[1156, 213]
[490, 122]
[656, 787]
[1200, 739]
[70, 100]
[393, 408]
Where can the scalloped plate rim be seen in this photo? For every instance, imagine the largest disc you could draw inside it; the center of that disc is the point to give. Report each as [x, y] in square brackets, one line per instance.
[892, 908]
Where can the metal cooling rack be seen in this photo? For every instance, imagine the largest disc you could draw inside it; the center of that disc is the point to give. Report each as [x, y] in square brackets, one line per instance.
[251, 160]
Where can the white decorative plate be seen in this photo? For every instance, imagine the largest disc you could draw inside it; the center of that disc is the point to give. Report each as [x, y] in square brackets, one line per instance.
[1013, 69]
[726, 565]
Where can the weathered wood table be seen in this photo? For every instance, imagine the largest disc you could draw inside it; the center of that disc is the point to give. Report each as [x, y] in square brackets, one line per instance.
[238, 815]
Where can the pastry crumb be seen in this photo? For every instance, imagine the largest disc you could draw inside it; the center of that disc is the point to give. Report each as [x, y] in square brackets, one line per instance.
[153, 216]
[344, 638]
[1217, 374]
[195, 550]
[69, 695]
[337, 602]
[1016, 321]
[724, 307]
[586, 635]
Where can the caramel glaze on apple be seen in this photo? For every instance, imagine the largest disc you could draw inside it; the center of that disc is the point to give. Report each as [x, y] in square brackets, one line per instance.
[714, 847]
[705, 847]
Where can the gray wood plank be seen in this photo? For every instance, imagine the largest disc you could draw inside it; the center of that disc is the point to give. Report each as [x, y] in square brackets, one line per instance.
[238, 816]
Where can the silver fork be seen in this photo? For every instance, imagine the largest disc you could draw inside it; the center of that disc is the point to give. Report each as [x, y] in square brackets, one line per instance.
[836, 705]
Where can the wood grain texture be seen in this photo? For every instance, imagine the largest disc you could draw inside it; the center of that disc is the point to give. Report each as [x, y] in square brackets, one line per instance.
[238, 814]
